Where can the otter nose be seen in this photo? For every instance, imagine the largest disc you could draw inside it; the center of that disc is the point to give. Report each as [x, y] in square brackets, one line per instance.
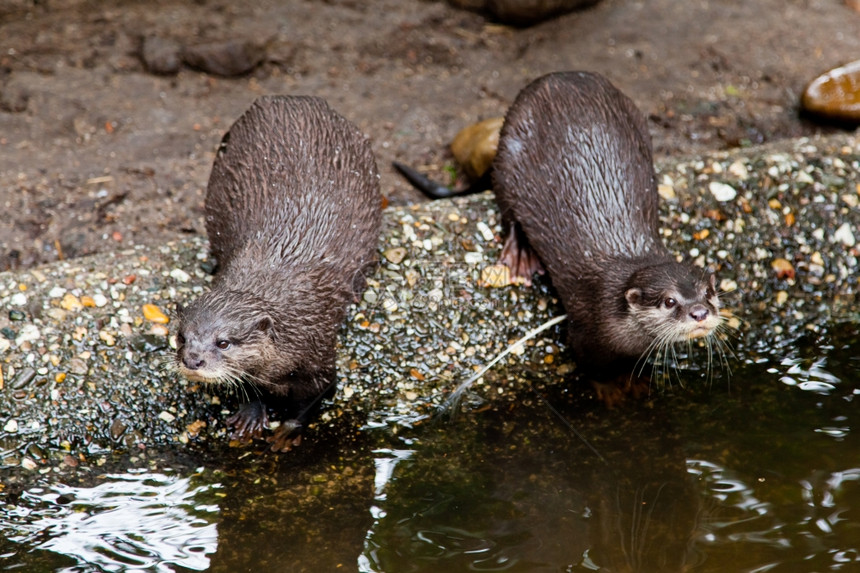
[699, 313]
[193, 362]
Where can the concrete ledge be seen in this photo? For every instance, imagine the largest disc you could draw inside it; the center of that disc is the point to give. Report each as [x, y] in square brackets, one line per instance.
[84, 372]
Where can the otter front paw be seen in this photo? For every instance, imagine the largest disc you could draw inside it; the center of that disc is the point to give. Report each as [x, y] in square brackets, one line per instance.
[248, 423]
[286, 437]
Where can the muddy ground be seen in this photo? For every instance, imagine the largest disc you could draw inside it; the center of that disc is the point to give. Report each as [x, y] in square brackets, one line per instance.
[97, 153]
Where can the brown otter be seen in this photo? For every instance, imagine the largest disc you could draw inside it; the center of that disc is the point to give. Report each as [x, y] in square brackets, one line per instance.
[293, 213]
[574, 178]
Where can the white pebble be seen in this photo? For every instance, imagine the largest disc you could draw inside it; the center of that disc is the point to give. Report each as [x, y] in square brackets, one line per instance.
[721, 191]
[473, 258]
[100, 299]
[11, 427]
[844, 235]
[56, 292]
[29, 333]
[179, 275]
[18, 299]
[485, 231]
[166, 416]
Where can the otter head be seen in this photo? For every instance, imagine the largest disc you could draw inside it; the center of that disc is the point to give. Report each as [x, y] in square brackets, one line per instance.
[673, 302]
[226, 336]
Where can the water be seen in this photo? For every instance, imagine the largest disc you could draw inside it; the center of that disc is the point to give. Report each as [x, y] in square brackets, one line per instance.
[759, 474]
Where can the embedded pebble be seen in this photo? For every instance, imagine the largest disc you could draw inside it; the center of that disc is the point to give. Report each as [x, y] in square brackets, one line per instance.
[485, 231]
[666, 192]
[180, 275]
[496, 276]
[23, 379]
[29, 333]
[154, 314]
[18, 299]
[71, 302]
[395, 255]
[722, 191]
[845, 235]
[166, 416]
[11, 426]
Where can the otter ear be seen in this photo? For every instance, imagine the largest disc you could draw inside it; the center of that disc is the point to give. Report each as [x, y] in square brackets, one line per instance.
[267, 326]
[633, 296]
[713, 281]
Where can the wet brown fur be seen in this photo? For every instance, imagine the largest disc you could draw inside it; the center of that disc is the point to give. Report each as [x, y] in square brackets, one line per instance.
[574, 178]
[293, 214]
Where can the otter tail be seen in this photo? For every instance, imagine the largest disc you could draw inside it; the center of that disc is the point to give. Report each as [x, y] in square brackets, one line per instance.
[437, 190]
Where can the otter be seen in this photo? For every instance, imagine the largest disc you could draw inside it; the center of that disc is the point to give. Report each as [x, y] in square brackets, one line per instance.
[293, 214]
[574, 178]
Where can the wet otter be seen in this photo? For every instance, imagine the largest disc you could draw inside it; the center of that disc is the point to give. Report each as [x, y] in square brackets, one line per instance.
[293, 214]
[575, 181]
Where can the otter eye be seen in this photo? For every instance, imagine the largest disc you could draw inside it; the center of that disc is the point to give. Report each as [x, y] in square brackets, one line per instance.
[223, 344]
[180, 338]
[670, 302]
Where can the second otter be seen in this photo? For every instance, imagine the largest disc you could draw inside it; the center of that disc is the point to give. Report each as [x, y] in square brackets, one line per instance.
[293, 213]
[574, 178]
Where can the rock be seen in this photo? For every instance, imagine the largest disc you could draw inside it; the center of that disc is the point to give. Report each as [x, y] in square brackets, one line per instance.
[229, 58]
[161, 55]
[523, 12]
[475, 146]
[835, 95]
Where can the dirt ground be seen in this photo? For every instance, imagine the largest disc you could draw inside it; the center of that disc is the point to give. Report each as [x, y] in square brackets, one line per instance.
[96, 153]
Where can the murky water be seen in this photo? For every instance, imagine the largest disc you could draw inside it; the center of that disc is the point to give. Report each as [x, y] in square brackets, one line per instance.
[759, 474]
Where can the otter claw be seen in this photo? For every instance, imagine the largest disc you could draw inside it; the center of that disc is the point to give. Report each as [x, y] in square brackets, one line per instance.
[248, 423]
[286, 437]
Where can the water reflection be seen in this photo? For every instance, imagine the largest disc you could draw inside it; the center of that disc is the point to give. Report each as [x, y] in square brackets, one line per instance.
[137, 520]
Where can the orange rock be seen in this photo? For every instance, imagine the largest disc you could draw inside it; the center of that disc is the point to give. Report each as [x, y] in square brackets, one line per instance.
[475, 146]
[154, 314]
[835, 95]
[784, 269]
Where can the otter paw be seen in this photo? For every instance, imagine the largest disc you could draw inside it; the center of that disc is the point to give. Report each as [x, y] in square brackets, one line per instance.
[286, 437]
[248, 423]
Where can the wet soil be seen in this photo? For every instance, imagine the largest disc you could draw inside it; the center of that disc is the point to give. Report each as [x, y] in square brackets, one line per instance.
[97, 153]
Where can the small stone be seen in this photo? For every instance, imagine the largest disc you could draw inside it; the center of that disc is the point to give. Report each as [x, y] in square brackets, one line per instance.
[485, 231]
[783, 268]
[845, 235]
[180, 275]
[739, 170]
[473, 258]
[11, 427]
[666, 192]
[161, 55]
[16, 315]
[29, 333]
[78, 366]
[154, 314]
[395, 255]
[88, 301]
[100, 300]
[18, 299]
[474, 147]
[835, 95]
[71, 302]
[227, 58]
[117, 429]
[496, 276]
[107, 338]
[159, 330]
[781, 297]
[56, 292]
[166, 416]
[722, 192]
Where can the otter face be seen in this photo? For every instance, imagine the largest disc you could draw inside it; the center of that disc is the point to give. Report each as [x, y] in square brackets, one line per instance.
[223, 344]
[672, 305]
